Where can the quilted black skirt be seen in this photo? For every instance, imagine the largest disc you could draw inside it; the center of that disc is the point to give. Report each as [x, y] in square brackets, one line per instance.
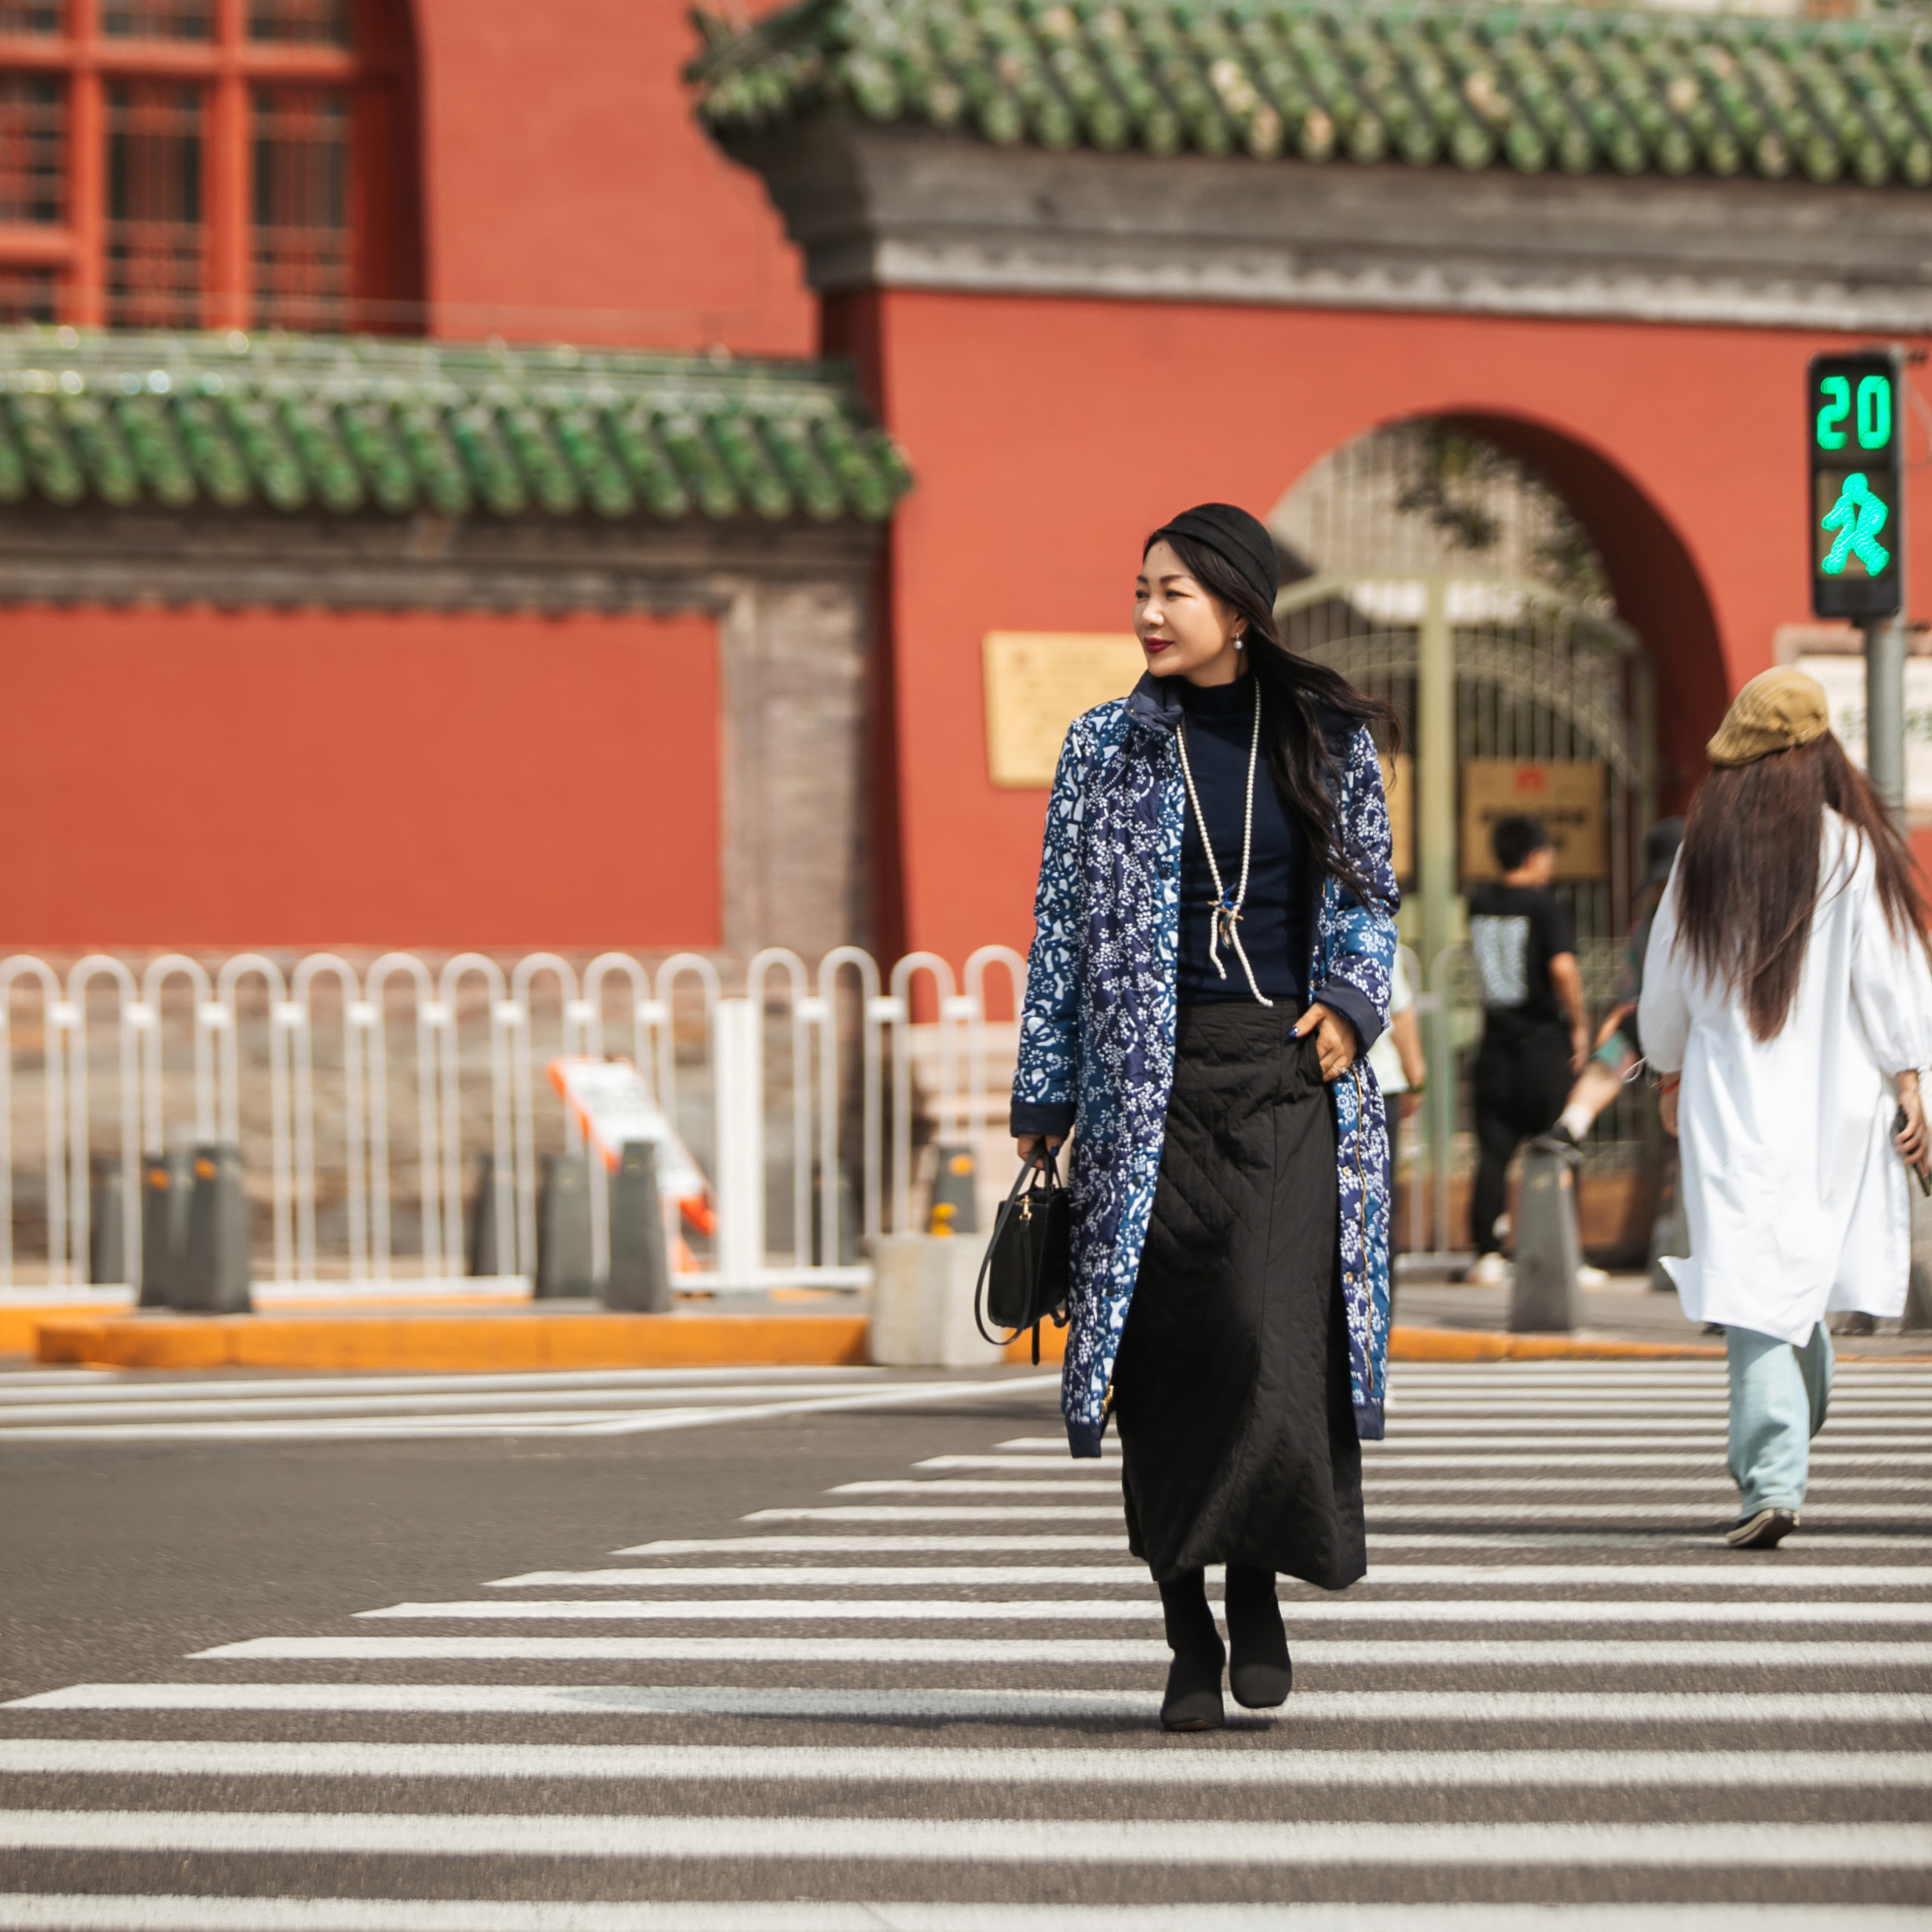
[1230, 1387]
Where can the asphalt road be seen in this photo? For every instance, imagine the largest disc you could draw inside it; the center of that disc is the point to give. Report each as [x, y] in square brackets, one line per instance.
[578, 1652]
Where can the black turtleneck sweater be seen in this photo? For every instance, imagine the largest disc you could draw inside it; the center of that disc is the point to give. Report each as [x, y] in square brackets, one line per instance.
[1274, 927]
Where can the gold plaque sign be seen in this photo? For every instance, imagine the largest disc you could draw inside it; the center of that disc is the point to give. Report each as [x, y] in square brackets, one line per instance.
[1037, 683]
[1568, 795]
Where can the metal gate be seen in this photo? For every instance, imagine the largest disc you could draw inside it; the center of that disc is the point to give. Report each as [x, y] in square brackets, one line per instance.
[1444, 577]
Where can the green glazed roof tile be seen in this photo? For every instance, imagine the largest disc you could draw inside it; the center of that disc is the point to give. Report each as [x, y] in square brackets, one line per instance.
[353, 425]
[1529, 87]
[51, 468]
[647, 462]
[695, 457]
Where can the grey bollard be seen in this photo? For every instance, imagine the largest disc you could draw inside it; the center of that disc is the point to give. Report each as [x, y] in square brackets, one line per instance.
[640, 1278]
[1548, 1251]
[481, 1248]
[922, 1304]
[166, 1186]
[215, 1271]
[107, 1225]
[563, 1269]
[954, 1185]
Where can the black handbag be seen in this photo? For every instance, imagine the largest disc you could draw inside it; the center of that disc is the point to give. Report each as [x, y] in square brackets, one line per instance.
[1023, 1280]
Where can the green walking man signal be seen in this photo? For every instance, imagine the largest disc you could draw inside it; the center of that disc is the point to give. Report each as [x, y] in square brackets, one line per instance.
[1853, 408]
[1858, 517]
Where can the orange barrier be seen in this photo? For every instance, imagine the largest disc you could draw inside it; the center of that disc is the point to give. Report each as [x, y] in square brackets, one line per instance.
[508, 1342]
[522, 1338]
[19, 1325]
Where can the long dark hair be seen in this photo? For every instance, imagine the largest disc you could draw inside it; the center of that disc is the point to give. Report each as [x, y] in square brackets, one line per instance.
[1747, 875]
[1294, 691]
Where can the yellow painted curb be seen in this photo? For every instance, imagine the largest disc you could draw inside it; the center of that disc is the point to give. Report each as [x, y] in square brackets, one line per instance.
[1453, 1344]
[513, 1340]
[21, 1323]
[521, 1338]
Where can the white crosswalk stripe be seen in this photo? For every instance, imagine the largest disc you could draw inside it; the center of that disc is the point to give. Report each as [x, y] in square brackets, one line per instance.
[138, 1410]
[1058, 1609]
[758, 1649]
[1431, 1452]
[1130, 1576]
[100, 1912]
[950, 1690]
[819, 1765]
[1036, 1705]
[1515, 1484]
[973, 1841]
[1387, 1509]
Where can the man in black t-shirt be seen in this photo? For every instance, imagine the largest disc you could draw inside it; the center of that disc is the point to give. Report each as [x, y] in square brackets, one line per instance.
[1535, 1037]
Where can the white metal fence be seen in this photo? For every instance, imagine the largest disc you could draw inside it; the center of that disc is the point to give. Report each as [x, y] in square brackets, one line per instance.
[364, 1096]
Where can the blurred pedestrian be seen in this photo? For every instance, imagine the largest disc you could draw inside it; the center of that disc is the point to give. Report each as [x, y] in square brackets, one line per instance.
[1214, 930]
[1787, 1008]
[1618, 1051]
[1535, 1034]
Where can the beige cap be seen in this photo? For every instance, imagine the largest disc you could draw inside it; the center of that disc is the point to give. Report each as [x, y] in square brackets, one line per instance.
[1777, 710]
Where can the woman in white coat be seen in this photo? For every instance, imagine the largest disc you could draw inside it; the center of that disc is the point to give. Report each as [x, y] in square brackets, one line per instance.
[1787, 1009]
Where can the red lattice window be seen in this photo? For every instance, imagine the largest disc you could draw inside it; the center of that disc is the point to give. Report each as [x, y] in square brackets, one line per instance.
[158, 20]
[301, 207]
[207, 163]
[155, 229]
[33, 148]
[315, 23]
[26, 295]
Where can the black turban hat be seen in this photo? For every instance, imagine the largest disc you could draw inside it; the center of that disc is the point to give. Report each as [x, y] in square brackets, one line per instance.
[1231, 533]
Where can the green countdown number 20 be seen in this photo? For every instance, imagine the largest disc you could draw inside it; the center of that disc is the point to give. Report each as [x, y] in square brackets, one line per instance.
[1874, 412]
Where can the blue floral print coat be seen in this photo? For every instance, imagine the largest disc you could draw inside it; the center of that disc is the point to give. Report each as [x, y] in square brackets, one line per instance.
[1096, 1038]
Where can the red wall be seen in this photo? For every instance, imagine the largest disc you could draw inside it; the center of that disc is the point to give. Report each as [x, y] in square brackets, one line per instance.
[271, 778]
[1050, 435]
[569, 196]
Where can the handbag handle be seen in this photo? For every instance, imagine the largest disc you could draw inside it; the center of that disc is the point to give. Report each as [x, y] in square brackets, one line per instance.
[1043, 1160]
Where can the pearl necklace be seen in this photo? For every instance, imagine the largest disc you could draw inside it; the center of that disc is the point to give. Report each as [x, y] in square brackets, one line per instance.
[1223, 921]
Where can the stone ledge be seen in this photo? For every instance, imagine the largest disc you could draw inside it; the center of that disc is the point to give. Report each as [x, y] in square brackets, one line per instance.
[909, 208]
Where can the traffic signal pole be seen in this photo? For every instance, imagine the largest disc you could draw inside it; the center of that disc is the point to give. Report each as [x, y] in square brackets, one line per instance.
[1856, 413]
[1884, 709]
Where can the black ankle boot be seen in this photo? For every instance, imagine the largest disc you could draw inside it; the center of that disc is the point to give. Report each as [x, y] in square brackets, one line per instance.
[1193, 1702]
[1259, 1674]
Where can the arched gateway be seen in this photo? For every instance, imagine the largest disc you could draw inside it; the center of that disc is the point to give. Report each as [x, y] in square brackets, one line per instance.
[1445, 575]
[1094, 262]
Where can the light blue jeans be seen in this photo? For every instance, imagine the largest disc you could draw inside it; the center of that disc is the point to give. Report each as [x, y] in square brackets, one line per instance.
[1780, 1394]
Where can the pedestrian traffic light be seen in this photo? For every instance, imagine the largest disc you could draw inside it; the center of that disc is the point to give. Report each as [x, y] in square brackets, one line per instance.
[1856, 424]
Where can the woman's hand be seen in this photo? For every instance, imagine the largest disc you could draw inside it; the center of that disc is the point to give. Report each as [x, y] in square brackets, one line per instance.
[1029, 1145]
[1666, 1108]
[1335, 1038]
[1913, 1143]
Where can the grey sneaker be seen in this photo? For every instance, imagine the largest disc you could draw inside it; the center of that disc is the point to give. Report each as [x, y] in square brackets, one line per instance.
[1762, 1530]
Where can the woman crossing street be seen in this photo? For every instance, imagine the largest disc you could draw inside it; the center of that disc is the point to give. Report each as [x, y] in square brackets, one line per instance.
[1787, 1008]
[1215, 935]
